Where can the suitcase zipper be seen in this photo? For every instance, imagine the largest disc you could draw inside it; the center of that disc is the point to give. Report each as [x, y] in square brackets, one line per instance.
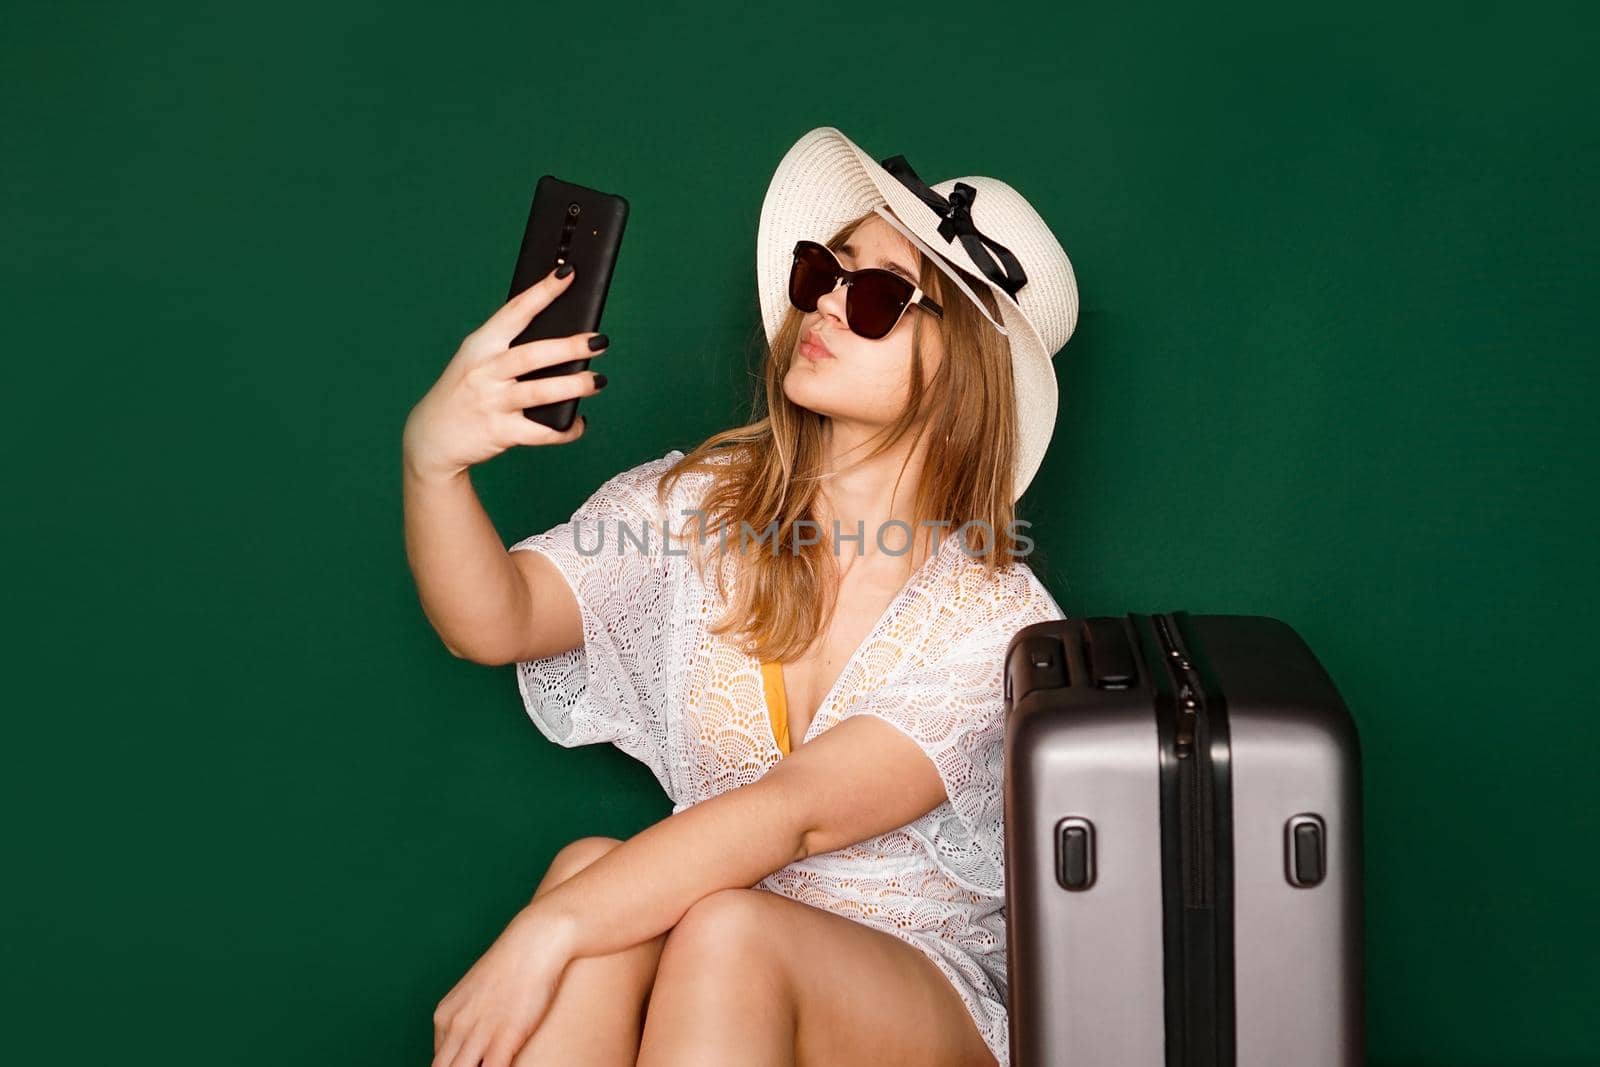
[1194, 772]
[1197, 873]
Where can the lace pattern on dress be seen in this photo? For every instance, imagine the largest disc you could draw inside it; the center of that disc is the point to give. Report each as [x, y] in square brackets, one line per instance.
[691, 706]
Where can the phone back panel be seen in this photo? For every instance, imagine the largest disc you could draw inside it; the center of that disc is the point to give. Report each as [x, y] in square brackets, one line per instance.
[1183, 846]
[568, 223]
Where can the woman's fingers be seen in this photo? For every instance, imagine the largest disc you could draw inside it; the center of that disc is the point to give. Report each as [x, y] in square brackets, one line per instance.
[548, 390]
[475, 411]
[501, 328]
[503, 1048]
[546, 352]
[526, 431]
[472, 1049]
[453, 1040]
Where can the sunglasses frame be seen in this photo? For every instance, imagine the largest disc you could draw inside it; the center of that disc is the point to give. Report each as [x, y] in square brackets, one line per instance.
[916, 298]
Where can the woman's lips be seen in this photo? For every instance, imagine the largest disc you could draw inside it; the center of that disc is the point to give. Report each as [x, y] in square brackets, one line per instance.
[812, 349]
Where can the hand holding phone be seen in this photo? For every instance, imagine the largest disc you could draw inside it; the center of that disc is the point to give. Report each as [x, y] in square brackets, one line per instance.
[517, 379]
[475, 411]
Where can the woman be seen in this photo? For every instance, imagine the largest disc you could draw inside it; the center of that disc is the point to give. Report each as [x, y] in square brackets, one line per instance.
[811, 664]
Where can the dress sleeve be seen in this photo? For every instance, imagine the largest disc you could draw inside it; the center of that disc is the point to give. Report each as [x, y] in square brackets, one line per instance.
[953, 706]
[613, 686]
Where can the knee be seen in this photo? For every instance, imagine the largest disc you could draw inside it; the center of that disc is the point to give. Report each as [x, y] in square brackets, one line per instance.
[722, 953]
[577, 855]
[732, 926]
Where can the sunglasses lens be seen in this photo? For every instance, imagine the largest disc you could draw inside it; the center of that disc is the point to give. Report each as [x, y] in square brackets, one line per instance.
[875, 301]
[813, 276]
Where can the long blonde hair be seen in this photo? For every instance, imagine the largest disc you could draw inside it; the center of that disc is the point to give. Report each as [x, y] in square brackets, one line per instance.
[766, 472]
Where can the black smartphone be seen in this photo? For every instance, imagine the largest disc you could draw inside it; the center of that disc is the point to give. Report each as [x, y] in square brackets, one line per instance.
[568, 223]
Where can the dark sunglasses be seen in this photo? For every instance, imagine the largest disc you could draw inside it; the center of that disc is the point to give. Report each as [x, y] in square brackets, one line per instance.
[874, 298]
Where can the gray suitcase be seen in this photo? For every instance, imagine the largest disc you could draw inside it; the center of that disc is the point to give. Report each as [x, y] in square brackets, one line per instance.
[1183, 847]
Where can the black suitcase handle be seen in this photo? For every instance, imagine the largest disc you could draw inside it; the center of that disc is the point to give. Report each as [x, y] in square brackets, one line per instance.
[1109, 656]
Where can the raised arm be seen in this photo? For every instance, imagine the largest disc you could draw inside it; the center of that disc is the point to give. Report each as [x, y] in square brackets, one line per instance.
[485, 605]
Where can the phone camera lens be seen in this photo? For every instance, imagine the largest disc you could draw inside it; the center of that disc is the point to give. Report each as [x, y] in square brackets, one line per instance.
[572, 209]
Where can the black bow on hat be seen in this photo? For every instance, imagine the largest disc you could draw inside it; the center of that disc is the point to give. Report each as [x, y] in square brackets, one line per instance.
[956, 213]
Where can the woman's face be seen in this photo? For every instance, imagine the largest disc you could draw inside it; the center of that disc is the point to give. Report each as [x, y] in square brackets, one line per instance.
[856, 380]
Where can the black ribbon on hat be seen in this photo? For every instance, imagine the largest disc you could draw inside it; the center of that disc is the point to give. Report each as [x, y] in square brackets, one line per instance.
[956, 215]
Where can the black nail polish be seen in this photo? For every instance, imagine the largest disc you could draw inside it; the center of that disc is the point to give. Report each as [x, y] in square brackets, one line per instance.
[598, 341]
[599, 381]
[563, 270]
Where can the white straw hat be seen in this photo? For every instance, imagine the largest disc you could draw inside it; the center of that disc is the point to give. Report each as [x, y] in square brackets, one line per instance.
[977, 225]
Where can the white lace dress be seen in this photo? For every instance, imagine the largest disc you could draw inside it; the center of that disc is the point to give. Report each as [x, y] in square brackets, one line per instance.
[691, 706]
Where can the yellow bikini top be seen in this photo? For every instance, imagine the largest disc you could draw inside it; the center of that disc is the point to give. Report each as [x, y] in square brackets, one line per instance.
[777, 704]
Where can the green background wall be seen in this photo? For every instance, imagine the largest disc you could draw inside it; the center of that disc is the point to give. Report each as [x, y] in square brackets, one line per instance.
[1335, 363]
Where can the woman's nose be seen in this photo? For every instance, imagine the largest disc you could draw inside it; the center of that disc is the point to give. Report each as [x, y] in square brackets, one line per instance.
[832, 302]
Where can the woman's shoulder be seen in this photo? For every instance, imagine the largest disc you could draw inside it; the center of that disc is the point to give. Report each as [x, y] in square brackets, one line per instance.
[638, 485]
[1010, 595]
[638, 490]
[707, 467]
[649, 471]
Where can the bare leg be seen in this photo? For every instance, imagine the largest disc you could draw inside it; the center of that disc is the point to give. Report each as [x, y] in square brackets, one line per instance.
[750, 978]
[597, 1015]
[722, 998]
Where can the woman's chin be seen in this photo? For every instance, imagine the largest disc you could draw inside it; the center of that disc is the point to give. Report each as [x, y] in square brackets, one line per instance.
[802, 387]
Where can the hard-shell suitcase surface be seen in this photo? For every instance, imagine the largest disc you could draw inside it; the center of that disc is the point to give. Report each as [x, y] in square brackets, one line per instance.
[1183, 847]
